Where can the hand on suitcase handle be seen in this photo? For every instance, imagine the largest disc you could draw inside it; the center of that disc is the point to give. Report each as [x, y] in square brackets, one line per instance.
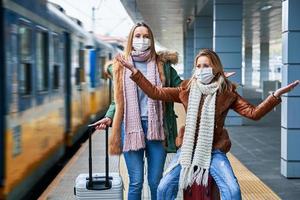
[102, 123]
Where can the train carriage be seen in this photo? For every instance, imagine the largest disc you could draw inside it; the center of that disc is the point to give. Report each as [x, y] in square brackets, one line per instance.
[50, 86]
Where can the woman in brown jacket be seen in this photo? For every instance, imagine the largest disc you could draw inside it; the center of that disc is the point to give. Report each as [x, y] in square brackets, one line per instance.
[207, 98]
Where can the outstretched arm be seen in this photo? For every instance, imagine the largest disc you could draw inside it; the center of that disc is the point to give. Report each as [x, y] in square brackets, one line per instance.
[244, 108]
[168, 94]
[154, 92]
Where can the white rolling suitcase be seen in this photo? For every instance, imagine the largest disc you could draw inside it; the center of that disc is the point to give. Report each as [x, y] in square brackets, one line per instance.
[98, 185]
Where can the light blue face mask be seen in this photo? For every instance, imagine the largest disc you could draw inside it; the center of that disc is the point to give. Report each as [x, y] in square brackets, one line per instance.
[204, 75]
[141, 44]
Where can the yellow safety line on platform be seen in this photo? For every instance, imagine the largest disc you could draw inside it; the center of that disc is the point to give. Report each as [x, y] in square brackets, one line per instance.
[251, 186]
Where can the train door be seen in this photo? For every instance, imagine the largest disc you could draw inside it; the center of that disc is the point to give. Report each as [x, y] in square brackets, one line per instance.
[68, 89]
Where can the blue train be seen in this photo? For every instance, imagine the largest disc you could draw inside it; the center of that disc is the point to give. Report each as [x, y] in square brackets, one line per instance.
[52, 85]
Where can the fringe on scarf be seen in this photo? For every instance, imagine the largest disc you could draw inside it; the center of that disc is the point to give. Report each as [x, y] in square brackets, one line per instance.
[157, 133]
[184, 181]
[188, 177]
[201, 176]
[134, 141]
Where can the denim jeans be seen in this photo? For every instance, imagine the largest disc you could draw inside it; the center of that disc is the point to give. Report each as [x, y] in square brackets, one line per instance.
[156, 155]
[168, 186]
[220, 170]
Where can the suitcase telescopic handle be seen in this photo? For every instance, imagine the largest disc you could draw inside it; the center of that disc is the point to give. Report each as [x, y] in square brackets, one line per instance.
[90, 130]
[107, 183]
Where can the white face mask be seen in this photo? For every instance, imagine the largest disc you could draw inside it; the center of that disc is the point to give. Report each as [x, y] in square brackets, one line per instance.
[141, 44]
[204, 75]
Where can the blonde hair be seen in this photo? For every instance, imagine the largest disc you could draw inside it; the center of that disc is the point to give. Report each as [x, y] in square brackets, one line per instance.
[224, 83]
[128, 48]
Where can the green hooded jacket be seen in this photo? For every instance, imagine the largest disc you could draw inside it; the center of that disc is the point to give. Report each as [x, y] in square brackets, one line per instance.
[172, 79]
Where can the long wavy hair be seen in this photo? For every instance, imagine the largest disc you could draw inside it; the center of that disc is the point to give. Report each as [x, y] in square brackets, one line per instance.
[224, 83]
[129, 48]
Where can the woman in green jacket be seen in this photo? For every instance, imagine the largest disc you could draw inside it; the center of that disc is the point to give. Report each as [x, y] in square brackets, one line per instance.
[139, 124]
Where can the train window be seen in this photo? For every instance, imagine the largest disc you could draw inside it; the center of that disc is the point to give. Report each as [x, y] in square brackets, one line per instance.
[56, 66]
[56, 48]
[77, 75]
[102, 64]
[25, 79]
[81, 58]
[25, 37]
[42, 60]
[82, 65]
[56, 77]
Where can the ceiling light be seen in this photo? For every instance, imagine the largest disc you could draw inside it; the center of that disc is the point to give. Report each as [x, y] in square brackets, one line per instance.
[266, 7]
[188, 20]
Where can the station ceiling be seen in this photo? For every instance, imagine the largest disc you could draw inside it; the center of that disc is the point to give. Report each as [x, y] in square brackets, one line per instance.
[168, 19]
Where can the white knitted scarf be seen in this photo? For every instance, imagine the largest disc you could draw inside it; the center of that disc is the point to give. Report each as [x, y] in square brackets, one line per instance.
[201, 157]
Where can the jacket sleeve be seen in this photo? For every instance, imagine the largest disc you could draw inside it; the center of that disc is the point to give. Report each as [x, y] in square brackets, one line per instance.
[246, 109]
[167, 94]
[110, 113]
[175, 78]
[112, 107]
[110, 70]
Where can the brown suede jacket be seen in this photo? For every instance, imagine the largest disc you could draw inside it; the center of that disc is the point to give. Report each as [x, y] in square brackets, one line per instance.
[226, 100]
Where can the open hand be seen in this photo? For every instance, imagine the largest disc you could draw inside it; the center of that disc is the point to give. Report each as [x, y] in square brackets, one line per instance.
[124, 62]
[102, 123]
[228, 74]
[286, 89]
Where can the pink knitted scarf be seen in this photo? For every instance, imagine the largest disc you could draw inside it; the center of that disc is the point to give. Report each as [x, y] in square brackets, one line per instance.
[134, 135]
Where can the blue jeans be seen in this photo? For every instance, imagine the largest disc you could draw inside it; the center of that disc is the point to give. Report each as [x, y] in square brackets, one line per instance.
[168, 186]
[220, 170]
[156, 155]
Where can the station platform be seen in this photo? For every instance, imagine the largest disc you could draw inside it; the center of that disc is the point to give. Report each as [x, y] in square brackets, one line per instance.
[255, 157]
